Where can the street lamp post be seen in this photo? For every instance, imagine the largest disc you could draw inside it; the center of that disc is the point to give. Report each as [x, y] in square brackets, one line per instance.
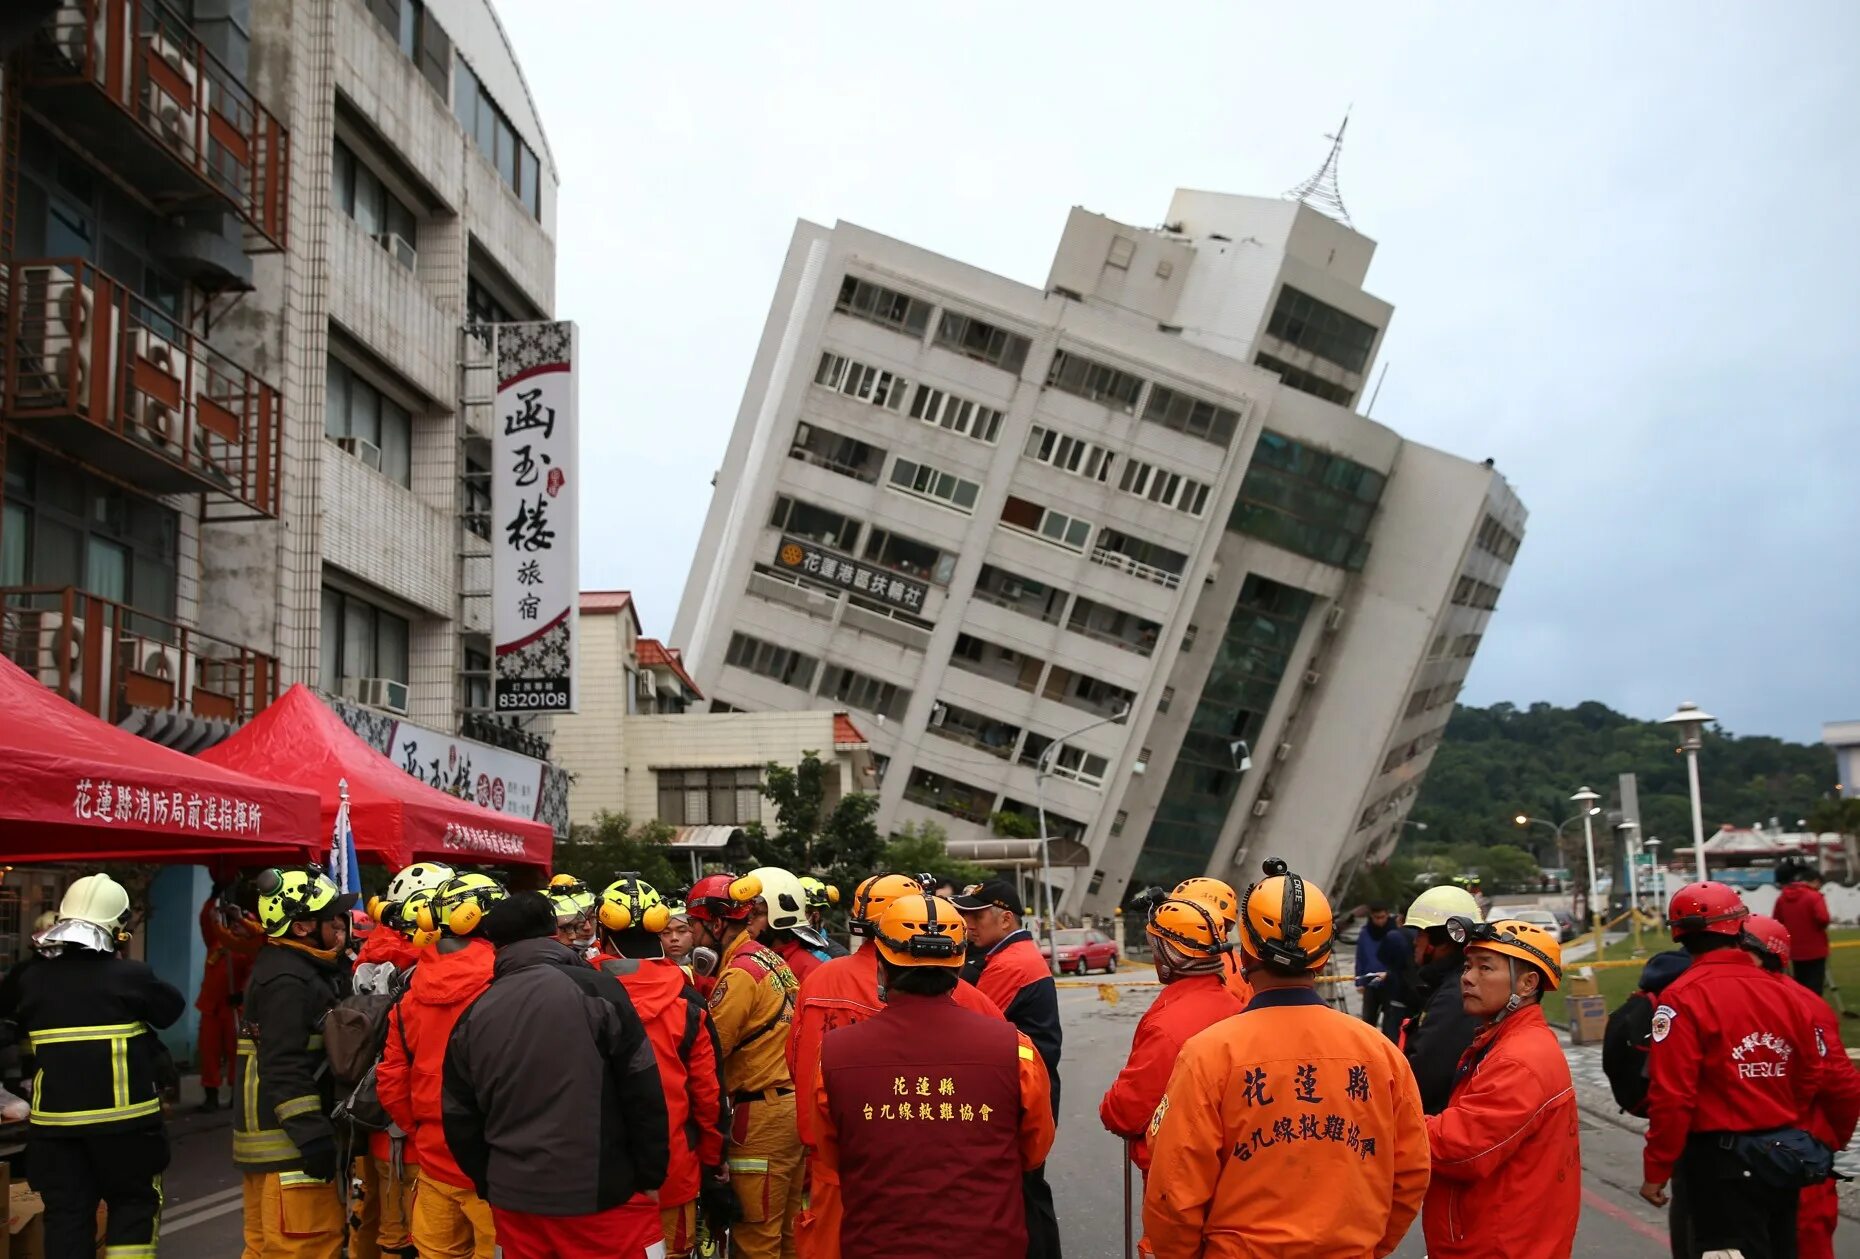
[1042, 768]
[1690, 722]
[1586, 799]
[1555, 828]
[1629, 831]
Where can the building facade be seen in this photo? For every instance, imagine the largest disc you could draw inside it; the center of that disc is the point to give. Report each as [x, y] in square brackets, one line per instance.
[1844, 738]
[642, 744]
[1133, 513]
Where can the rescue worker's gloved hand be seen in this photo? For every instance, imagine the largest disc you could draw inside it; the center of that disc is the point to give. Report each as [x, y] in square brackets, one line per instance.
[319, 1158]
[716, 1199]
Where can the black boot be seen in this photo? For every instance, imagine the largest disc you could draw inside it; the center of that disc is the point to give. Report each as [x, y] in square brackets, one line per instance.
[211, 1103]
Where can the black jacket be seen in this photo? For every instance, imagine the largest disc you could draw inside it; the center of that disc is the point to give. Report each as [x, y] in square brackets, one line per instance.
[1439, 1031]
[87, 1018]
[552, 1100]
[281, 1040]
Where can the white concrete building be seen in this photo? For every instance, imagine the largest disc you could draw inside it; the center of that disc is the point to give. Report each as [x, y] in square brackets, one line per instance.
[642, 745]
[985, 516]
[1844, 738]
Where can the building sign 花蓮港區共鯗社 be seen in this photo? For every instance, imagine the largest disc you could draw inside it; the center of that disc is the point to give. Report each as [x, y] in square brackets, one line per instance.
[506, 782]
[816, 564]
[535, 499]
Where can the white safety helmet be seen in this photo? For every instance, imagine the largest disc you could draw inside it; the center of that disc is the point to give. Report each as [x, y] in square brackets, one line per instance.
[421, 876]
[97, 899]
[779, 890]
[1433, 907]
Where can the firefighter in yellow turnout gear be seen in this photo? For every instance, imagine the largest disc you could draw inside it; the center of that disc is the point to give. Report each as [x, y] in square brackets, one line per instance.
[283, 1140]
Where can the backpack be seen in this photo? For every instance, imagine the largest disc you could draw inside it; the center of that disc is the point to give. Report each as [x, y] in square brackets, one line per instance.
[355, 1034]
[1626, 1038]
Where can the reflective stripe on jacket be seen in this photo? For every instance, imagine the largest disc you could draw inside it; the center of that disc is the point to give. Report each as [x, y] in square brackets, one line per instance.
[282, 1088]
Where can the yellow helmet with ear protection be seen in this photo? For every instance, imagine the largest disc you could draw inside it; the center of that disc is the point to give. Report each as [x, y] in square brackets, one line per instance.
[630, 902]
[460, 904]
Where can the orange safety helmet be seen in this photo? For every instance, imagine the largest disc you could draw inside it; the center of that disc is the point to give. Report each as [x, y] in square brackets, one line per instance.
[1529, 943]
[1710, 907]
[1770, 936]
[921, 930]
[1189, 925]
[1219, 899]
[1287, 922]
[872, 897]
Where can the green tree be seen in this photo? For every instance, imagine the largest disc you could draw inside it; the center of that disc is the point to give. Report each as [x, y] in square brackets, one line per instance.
[837, 842]
[923, 848]
[1009, 824]
[600, 853]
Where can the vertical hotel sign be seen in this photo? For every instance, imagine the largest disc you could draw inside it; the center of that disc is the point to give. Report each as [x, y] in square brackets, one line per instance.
[535, 493]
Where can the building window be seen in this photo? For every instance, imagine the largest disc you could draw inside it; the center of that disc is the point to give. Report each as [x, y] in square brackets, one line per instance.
[885, 307]
[1114, 626]
[1056, 527]
[816, 524]
[477, 498]
[958, 415]
[359, 193]
[1117, 822]
[361, 640]
[1188, 637]
[864, 692]
[909, 556]
[1473, 593]
[1069, 454]
[1159, 485]
[927, 482]
[1304, 381]
[491, 130]
[368, 424]
[1072, 762]
[781, 664]
[973, 338]
[1083, 691]
[1302, 320]
[1308, 501]
[1075, 374]
[1003, 664]
[1140, 558]
[709, 797]
[1123, 249]
[1021, 594]
[420, 39]
[876, 385]
[1496, 540]
[475, 681]
[1184, 413]
[1166, 699]
[947, 795]
[847, 456]
[977, 730]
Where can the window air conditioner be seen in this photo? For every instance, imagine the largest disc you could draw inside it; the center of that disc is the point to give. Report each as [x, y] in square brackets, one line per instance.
[362, 449]
[1012, 589]
[400, 247]
[1260, 806]
[648, 685]
[803, 432]
[1282, 751]
[384, 693]
[1311, 677]
[939, 714]
[1334, 618]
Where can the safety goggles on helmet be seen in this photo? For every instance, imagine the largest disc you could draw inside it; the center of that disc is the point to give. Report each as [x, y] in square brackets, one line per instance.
[1504, 938]
[573, 900]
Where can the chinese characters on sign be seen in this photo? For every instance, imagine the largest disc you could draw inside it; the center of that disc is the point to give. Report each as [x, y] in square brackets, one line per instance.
[492, 777]
[812, 563]
[481, 840]
[535, 499]
[119, 804]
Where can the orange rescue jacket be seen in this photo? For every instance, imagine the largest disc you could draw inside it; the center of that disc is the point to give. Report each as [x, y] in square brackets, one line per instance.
[1507, 1157]
[411, 1077]
[1292, 1131]
[230, 954]
[1186, 1006]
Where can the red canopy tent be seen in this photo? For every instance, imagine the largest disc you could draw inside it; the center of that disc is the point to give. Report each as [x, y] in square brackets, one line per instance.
[76, 788]
[397, 819]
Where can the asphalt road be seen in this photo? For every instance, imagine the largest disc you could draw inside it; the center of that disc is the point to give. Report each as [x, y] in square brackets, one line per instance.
[203, 1207]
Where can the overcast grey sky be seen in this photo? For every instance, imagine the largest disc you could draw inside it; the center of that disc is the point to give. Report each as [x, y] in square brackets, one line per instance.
[1620, 240]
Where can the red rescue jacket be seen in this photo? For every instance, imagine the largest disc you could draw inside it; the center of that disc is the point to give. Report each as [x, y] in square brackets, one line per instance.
[1182, 1009]
[411, 1077]
[801, 959]
[383, 945]
[1731, 1052]
[1507, 1157]
[1804, 910]
[1835, 1111]
[230, 954]
[684, 1041]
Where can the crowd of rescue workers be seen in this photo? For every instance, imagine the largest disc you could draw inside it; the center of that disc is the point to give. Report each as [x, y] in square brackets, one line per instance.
[571, 1073]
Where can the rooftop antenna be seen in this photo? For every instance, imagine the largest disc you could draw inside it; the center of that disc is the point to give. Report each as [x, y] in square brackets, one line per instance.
[1320, 192]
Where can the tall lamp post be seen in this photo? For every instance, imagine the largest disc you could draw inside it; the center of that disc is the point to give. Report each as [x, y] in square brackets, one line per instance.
[1585, 799]
[1555, 828]
[1690, 722]
[1042, 768]
[1628, 832]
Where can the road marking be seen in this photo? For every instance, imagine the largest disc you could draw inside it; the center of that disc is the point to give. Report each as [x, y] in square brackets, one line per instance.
[1623, 1215]
[208, 1207]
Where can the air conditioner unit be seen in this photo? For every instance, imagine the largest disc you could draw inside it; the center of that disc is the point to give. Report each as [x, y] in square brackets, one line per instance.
[362, 449]
[399, 247]
[803, 433]
[155, 421]
[1012, 590]
[648, 685]
[1140, 767]
[1282, 751]
[1334, 618]
[1311, 677]
[383, 693]
[1261, 806]
[939, 714]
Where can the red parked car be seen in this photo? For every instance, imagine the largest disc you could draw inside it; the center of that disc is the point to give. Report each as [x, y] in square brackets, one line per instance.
[1082, 950]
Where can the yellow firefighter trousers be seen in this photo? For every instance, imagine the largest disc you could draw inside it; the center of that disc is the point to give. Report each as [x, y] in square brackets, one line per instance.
[378, 1208]
[290, 1216]
[680, 1227]
[451, 1223]
[765, 1170]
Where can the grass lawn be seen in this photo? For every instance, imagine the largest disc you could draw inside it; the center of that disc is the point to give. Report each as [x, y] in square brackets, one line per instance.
[1618, 981]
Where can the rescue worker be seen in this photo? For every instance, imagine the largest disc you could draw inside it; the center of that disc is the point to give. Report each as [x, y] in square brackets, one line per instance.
[927, 1111]
[1223, 902]
[88, 1018]
[574, 903]
[752, 1005]
[1190, 949]
[780, 916]
[676, 939]
[1836, 1109]
[232, 938]
[1015, 974]
[1289, 1097]
[1442, 1027]
[551, 1098]
[632, 916]
[1369, 961]
[448, 1219]
[1803, 910]
[821, 894]
[1732, 1054]
[1507, 1157]
[283, 1140]
[401, 945]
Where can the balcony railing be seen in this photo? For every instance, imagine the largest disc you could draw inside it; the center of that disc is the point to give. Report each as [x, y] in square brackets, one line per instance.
[1136, 568]
[110, 659]
[969, 810]
[198, 134]
[136, 394]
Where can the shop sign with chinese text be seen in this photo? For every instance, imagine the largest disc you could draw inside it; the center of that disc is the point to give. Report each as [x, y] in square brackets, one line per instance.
[535, 494]
[814, 563]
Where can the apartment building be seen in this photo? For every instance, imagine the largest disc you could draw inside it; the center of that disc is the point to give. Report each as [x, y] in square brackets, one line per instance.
[1133, 512]
[643, 744]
